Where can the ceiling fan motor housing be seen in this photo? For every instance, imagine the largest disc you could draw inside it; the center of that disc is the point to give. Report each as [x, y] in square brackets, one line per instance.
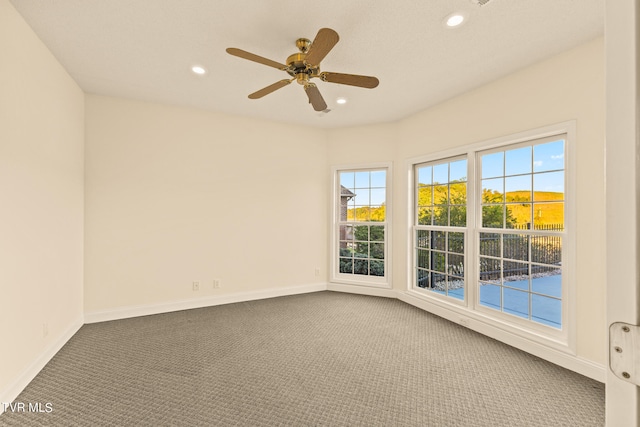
[298, 67]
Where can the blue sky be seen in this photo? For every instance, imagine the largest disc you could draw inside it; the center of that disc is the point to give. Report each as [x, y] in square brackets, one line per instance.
[369, 186]
[545, 161]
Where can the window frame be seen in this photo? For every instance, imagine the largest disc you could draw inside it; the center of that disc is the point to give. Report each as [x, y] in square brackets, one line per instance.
[562, 339]
[356, 279]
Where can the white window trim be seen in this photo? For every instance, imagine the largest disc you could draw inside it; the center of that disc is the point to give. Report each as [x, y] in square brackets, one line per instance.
[353, 279]
[563, 340]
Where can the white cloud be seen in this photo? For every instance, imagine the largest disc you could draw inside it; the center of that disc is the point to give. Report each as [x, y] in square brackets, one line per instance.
[559, 156]
[537, 163]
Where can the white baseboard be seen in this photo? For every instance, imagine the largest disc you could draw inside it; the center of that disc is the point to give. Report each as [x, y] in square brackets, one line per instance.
[12, 392]
[561, 358]
[148, 309]
[362, 290]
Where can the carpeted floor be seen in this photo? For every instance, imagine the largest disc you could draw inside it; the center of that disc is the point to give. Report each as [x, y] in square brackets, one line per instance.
[321, 359]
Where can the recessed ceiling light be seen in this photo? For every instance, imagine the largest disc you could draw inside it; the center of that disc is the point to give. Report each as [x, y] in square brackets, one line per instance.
[341, 100]
[454, 20]
[198, 69]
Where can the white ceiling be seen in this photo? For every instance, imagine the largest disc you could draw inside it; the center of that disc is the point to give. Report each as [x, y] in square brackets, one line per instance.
[144, 49]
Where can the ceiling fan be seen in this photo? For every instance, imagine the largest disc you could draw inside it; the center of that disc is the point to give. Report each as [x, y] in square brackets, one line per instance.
[305, 65]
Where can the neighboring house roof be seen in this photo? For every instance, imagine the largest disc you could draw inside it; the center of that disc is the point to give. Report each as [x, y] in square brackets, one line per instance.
[345, 192]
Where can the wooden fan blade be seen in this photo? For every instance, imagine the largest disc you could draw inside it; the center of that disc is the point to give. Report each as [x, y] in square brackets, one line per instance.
[255, 58]
[350, 79]
[325, 40]
[271, 88]
[315, 98]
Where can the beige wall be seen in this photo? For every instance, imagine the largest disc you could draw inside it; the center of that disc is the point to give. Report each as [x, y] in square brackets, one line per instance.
[176, 195]
[41, 188]
[567, 87]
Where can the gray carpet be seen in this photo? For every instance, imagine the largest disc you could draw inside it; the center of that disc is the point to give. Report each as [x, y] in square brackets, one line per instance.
[321, 359]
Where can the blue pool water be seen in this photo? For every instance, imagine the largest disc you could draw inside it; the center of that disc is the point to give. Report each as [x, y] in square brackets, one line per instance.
[515, 298]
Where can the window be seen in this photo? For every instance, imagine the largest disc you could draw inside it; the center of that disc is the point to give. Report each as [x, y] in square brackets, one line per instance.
[361, 232]
[520, 239]
[489, 231]
[441, 215]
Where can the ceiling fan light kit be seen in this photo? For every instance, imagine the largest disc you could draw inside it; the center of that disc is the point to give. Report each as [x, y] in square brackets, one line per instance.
[305, 65]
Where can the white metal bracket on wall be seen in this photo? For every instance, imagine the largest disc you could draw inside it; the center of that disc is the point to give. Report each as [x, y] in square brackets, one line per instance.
[624, 351]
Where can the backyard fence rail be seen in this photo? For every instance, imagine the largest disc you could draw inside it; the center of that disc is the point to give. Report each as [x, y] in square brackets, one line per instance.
[502, 255]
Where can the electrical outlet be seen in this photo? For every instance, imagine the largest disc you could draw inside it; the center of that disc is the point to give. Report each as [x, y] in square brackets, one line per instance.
[45, 330]
[216, 284]
[317, 271]
[195, 286]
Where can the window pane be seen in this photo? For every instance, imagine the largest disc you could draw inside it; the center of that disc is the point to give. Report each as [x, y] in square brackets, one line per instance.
[456, 242]
[518, 188]
[441, 215]
[377, 213]
[425, 216]
[378, 196]
[547, 311]
[376, 250]
[548, 186]
[456, 265]
[376, 268]
[361, 232]
[458, 215]
[361, 266]
[548, 156]
[490, 296]
[376, 233]
[516, 275]
[490, 270]
[516, 246]
[458, 194]
[493, 216]
[362, 179]
[515, 271]
[490, 244]
[516, 302]
[439, 282]
[438, 240]
[441, 173]
[455, 287]
[423, 239]
[439, 263]
[423, 258]
[347, 179]
[518, 161]
[458, 171]
[548, 216]
[425, 196]
[346, 232]
[492, 165]
[346, 265]
[546, 249]
[547, 281]
[493, 190]
[423, 279]
[440, 195]
[379, 179]
[361, 250]
[424, 175]
[519, 216]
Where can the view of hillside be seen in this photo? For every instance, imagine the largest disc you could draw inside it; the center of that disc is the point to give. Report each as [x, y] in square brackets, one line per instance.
[431, 198]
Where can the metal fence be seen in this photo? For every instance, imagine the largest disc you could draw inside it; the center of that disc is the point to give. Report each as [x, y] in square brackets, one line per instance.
[501, 255]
